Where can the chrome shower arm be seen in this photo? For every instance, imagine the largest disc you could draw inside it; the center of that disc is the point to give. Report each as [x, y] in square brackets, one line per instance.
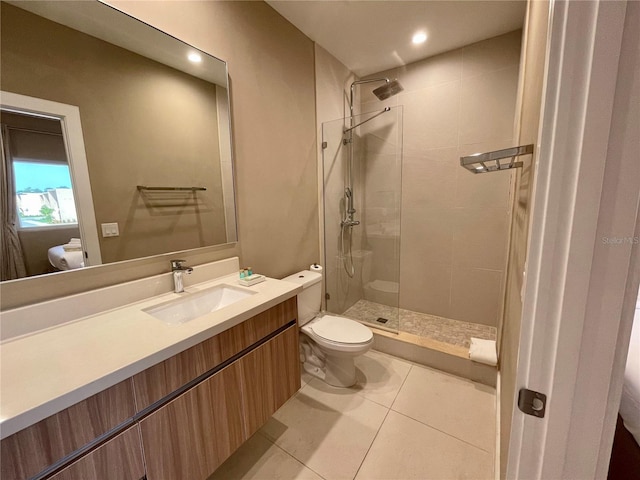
[386, 109]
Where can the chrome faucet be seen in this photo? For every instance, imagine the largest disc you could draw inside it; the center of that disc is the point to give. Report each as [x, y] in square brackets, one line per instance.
[178, 269]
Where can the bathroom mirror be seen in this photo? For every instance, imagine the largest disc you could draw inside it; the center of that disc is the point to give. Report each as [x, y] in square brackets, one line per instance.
[153, 128]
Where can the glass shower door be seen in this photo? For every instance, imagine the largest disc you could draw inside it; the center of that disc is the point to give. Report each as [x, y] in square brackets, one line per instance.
[362, 260]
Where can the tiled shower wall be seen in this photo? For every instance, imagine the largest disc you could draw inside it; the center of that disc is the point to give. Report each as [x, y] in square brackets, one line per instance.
[454, 224]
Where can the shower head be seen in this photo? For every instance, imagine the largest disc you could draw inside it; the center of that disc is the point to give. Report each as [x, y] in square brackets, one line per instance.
[387, 90]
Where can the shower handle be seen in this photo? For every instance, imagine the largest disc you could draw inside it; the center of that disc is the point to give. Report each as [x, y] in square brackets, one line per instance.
[349, 223]
[349, 196]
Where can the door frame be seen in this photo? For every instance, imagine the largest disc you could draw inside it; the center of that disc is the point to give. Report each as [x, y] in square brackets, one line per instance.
[69, 116]
[580, 290]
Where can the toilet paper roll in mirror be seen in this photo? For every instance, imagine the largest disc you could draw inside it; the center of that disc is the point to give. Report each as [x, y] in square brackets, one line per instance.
[316, 268]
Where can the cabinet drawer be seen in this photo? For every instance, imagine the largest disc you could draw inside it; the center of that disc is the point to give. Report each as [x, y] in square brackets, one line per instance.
[192, 435]
[270, 376]
[118, 459]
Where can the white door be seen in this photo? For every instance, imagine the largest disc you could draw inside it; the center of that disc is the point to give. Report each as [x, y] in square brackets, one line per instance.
[583, 261]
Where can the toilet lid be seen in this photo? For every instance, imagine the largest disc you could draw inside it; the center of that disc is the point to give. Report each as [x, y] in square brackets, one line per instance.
[342, 330]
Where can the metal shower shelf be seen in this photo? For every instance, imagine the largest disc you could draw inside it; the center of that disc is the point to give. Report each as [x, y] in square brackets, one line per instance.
[491, 161]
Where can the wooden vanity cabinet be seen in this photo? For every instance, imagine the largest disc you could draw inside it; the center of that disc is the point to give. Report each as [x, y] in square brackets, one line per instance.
[181, 418]
[118, 459]
[195, 433]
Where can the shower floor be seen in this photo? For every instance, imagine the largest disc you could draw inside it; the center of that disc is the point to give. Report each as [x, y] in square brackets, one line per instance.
[440, 329]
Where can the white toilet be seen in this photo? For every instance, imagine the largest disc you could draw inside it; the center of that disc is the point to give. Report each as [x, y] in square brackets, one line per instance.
[328, 343]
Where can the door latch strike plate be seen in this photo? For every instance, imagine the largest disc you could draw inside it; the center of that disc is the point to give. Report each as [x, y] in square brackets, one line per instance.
[324, 145]
[532, 402]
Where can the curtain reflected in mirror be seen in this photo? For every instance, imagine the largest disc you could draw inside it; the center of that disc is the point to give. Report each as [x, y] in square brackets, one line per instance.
[40, 218]
[11, 261]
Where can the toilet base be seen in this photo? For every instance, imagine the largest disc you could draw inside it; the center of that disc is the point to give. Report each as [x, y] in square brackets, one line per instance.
[335, 371]
[340, 371]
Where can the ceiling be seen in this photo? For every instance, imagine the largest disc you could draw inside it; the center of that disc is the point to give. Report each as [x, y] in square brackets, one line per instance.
[372, 36]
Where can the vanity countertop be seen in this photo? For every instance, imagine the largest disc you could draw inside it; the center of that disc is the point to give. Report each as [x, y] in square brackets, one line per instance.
[49, 370]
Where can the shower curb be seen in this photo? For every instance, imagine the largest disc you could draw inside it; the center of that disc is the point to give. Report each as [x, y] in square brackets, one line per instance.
[448, 358]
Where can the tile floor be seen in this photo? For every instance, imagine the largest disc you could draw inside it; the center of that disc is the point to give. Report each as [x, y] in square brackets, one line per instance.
[454, 332]
[401, 421]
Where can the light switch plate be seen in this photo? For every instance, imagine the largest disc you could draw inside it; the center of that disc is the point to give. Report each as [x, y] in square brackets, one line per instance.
[110, 229]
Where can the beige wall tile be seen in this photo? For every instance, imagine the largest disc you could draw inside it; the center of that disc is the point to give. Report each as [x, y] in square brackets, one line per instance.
[480, 237]
[429, 180]
[425, 286]
[492, 54]
[431, 117]
[488, 106]
[476, 295]
[427, 236]
[443, 68]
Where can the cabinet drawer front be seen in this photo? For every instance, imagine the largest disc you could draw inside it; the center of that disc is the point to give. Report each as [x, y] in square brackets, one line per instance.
[118, 459]
[29, 451]
[192, 435]
[166, 377]
[270, 376]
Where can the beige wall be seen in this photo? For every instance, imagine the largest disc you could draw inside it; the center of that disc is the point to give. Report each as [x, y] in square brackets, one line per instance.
[454, 225]
[271, 65]
[527, 121]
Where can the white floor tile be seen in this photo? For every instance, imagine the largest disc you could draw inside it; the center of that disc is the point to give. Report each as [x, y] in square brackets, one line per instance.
[259, 459]
[380, 376]
[327, 429]
[454, 405]
[407, 449]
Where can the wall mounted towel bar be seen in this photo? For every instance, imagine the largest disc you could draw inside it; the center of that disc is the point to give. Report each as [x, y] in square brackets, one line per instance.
[491, 161]
[192, 189]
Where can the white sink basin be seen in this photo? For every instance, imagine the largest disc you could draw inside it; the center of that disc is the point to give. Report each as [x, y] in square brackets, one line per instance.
[197, 304]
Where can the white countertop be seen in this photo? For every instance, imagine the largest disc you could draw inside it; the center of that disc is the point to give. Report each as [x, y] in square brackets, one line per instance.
[47, 371]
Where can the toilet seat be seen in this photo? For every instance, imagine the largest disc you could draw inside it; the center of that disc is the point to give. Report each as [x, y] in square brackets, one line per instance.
[341, 330]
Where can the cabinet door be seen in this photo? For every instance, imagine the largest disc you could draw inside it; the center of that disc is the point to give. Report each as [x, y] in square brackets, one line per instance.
[193, 434]
[270, 376]
[28, 452]
[118, 459]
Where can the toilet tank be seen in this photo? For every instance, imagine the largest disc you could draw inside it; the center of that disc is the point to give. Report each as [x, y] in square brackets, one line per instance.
[309, 299]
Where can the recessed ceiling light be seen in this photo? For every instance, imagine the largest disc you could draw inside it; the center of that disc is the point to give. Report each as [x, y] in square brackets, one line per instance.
[194, 57]
[419, 37]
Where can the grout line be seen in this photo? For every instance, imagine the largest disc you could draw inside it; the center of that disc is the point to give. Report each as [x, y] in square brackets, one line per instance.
[259, 432]
[401, 386]
[372, 442]
[442, 431]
